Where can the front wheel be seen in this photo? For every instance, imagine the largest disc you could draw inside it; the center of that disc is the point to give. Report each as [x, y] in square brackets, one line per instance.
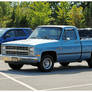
[65, 64]
[15, 66]
[46, 63]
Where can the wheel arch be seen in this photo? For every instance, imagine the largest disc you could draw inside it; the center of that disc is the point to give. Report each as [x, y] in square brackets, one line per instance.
[51, 53]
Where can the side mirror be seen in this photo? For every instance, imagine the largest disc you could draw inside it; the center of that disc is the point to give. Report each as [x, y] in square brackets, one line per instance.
[67, 38]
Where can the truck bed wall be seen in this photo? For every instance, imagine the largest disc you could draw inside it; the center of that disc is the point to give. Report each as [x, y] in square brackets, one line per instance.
[86, 48]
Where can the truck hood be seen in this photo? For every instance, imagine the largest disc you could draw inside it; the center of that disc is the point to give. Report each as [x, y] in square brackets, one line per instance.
[29, 42]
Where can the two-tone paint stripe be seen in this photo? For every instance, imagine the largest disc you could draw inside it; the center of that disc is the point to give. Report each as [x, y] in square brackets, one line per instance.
[72, 53]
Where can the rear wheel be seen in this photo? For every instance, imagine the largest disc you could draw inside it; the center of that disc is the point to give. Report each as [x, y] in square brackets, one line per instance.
[65, 64]
[89, 63]
[15, 66]
[46, 64]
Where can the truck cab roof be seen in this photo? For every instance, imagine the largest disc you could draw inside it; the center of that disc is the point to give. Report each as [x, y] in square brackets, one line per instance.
[62, 26]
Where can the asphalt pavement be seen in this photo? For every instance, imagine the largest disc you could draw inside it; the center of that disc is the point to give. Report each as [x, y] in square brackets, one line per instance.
[77, 76]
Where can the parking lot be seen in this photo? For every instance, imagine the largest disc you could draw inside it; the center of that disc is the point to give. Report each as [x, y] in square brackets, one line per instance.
[75, 77]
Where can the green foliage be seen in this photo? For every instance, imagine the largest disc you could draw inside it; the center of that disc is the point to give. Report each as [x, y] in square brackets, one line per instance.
[54, 8]
[33, 14]
[5, 14]
[20, 16]
[76, 16]
[88, 15]
[63, 9]
[39, 13]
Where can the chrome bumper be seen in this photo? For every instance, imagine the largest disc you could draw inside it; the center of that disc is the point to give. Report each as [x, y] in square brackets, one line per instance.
[21, 59]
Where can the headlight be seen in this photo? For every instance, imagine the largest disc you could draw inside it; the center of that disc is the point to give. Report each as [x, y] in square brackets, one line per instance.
[31, 48]
[3, 49]
[31, 51]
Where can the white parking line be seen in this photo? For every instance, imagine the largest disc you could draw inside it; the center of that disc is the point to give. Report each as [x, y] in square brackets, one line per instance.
[3, 78]
[16, 77]
[75, 86]
[19, 82]
[24, 77]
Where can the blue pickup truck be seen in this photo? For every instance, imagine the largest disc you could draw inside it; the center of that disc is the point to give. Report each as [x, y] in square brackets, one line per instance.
[11, 34]
[46, 45]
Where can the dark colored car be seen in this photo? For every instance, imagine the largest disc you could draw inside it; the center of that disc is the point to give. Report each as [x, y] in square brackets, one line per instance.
[85, 32]
[12, 34]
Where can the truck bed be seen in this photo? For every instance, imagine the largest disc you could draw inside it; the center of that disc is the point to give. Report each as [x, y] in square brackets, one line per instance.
[85, 38]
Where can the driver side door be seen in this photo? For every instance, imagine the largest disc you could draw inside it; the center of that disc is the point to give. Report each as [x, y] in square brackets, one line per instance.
[71, 48]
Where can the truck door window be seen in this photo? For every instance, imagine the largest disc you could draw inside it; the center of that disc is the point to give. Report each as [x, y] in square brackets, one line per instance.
[69, 35]
[20, 32]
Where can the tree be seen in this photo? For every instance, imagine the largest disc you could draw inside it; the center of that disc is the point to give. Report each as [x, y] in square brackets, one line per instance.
[76, 16]
[54, 8]
[5, 13]
[33, 14]
[88, 14]
[63, 9]
[20, 15]
[39, 13]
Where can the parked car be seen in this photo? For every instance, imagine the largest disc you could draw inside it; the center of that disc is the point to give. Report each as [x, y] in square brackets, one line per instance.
[12, 34]
[85, 32]
[46, 45]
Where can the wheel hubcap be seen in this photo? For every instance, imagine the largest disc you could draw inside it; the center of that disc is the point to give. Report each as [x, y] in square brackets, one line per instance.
[47, 63]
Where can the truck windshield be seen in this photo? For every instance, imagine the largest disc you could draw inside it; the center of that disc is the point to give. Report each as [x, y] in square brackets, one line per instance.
[2, 31]
[46, 33]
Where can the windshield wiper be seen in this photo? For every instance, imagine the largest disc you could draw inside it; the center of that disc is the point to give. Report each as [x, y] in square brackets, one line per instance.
[33, 37]
[36, 38]
[41, 38]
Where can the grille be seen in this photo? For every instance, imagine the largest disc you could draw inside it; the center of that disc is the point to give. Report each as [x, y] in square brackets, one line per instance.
[16, 53]
[17, 47]
[17, 50]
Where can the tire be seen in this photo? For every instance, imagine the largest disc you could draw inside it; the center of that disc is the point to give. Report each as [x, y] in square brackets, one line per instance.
[15, 66]
[65, 64]
[89, 63]
[46, 64]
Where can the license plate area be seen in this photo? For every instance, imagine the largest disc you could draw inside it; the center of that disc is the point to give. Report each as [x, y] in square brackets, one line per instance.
[14, 59]
[11, 59]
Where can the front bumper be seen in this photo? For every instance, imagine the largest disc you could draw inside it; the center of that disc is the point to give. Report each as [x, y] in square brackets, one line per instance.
[20, 59]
